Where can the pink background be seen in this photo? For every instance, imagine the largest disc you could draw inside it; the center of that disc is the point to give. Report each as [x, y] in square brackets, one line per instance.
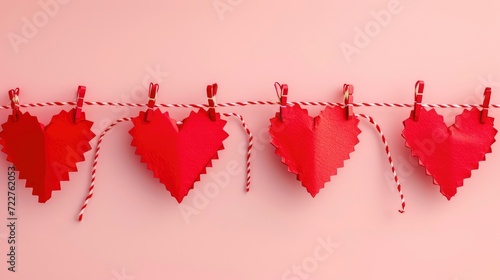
[135, 230]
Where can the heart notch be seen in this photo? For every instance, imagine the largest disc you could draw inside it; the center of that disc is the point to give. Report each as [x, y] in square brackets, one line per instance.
[314, 148]
[449, 154]
[44, 155]
[178, 152]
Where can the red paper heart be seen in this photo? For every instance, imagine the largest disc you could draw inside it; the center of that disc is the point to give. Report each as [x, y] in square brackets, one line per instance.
[178, 154]
[44, 156]
[314, 148]
[449, 154]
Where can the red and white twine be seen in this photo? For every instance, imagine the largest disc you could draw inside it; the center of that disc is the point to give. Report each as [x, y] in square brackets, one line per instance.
[250, 145]
[389, 157]
[94, 165]
[249, 103]
[245, 126]
[90, 193]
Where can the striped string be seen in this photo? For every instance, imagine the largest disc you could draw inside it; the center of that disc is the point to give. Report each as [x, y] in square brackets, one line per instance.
[249, 147]
[389, 157]
[249, 103]
[90, 193]
[250, 136]
[94, 165]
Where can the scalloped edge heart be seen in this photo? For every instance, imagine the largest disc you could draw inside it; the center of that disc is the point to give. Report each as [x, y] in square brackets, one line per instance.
[150, 166]
[65, 175]
[289, 162]
[475, 165]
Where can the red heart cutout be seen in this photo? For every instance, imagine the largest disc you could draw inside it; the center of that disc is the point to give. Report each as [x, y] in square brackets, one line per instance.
[178, 154]
[314, 148]
[449, 154]
[44, 156]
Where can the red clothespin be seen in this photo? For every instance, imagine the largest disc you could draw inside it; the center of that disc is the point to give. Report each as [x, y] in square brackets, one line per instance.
[282, 92]
[486, 104]
[348, 99]
[153, 91]
[211, 93]
[14, 103]
[419, 92]
[80, 95]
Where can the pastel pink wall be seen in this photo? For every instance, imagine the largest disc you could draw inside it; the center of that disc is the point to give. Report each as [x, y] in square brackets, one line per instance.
[135, 230]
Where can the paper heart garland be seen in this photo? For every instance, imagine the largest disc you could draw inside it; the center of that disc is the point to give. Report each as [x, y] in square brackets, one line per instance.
[449, 153]
[44, 156]
[314, 148]
[178, 154]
